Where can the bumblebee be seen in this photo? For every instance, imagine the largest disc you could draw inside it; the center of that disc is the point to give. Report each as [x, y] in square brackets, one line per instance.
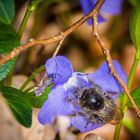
[98, 106]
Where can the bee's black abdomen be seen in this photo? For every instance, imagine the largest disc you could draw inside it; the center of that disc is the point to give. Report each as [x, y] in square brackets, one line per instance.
[92, 100]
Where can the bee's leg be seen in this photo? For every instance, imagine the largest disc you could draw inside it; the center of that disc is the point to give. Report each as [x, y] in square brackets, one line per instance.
[81, 114]
[76, 114]
[71, 99]
[90, 120]
[110, 93]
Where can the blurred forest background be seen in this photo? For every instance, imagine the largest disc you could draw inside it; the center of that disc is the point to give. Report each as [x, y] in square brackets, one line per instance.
[83, 51]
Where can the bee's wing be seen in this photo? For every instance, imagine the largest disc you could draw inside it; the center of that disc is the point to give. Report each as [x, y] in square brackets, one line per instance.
[117, 116]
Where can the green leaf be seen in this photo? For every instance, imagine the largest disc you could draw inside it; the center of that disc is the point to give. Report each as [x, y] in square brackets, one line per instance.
[7, 11]
[20, 106]
[5, 69]
[37, 101]
[134, 2]
[136, 97]
[135, 29]
[8, 41]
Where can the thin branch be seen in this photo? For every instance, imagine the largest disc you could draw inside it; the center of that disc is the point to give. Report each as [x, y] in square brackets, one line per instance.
[107, 54]
[58, 46]
[53, 39]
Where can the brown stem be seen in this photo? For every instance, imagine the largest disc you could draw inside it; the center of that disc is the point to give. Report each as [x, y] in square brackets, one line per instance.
[58, 46]
[53, 39]
[106, 52]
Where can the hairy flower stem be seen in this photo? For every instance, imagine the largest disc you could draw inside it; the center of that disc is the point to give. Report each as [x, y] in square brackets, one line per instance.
[124, 98]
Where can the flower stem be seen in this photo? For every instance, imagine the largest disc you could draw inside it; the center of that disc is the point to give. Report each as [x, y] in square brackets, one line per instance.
[9, 78]
[132, 72]
[124, 98]
[24, 22]
[117, 131]
[31, 77]
[30, 8]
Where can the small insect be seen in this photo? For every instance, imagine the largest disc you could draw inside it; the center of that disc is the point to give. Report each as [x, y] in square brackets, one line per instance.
[96, 105]
[46, 81]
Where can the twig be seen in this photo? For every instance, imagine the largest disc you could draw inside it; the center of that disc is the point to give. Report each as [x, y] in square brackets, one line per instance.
[58, 46]
[53, 39]
[106, 52]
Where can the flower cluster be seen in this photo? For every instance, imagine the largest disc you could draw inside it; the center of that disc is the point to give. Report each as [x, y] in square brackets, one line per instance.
[67, 85]
[112, 7]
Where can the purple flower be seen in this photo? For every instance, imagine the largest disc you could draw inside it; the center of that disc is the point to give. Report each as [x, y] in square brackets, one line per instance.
[70, 86]
[112, 7]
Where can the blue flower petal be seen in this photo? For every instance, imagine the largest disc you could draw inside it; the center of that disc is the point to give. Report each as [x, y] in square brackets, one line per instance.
[81, 124]
[78, 80]
[112, 6]
[87, 6]
[58, 102]
[101, 19]
[59, 68]
[105, 80]
[55, 105]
